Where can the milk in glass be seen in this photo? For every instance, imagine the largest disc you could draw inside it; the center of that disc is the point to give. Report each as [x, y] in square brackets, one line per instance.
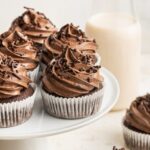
[119, 42]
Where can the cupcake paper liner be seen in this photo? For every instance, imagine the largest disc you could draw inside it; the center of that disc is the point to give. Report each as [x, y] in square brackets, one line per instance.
[34, 75]
[73, 108]
[15, 113]
[135, 140]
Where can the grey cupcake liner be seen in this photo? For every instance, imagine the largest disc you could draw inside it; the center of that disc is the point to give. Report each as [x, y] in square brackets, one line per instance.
[15, 113]
[34, 75]
[73, 108]
[136, 140]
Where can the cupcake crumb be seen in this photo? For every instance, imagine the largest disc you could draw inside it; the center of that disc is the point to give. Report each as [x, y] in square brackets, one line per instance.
[115, 148]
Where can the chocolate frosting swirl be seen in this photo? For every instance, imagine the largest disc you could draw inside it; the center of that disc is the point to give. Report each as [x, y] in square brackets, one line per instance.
[18, 46]
[13, 77]
[35, 25]
[69, 35]
[138, 115]
[72, 74]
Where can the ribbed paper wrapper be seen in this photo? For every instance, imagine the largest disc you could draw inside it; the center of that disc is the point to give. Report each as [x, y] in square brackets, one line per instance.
[34, 75]
[136, 140]
[73, 108]
[15, 113]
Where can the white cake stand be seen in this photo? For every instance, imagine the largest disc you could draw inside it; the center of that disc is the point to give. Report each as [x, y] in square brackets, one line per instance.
[25, 136]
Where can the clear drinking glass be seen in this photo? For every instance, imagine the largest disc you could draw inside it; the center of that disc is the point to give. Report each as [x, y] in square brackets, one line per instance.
[117, 31]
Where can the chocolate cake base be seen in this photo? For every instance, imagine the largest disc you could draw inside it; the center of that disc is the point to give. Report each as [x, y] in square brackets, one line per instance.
[24, 94]
[16, 110]
[133, 128]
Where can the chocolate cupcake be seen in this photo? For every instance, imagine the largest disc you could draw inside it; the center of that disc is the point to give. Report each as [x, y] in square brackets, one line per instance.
[136, 124]
[72, 86]
[22, 50]
[16, 93]
[71, 36]
[35, 25]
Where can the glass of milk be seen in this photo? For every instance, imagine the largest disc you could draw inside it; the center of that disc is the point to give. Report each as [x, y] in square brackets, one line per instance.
[118, 35]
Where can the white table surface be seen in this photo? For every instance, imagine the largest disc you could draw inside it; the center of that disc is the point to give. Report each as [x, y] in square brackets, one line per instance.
[101, 135]
[106, 132]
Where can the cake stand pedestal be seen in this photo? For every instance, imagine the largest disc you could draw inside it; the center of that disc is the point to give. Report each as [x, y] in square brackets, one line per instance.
[32, 134]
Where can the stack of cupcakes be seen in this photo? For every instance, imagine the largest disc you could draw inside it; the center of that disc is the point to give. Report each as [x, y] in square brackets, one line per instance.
[72, 85]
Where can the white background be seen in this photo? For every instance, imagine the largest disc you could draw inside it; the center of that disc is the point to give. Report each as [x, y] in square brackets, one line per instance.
[59, 11]
[66, 11]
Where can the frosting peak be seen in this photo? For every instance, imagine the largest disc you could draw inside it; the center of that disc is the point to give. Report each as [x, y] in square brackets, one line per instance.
[18, 46]
[38, 19]
[71, 31]
[138, 115]
[34, 24]
[72, 74]
[74, 37]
